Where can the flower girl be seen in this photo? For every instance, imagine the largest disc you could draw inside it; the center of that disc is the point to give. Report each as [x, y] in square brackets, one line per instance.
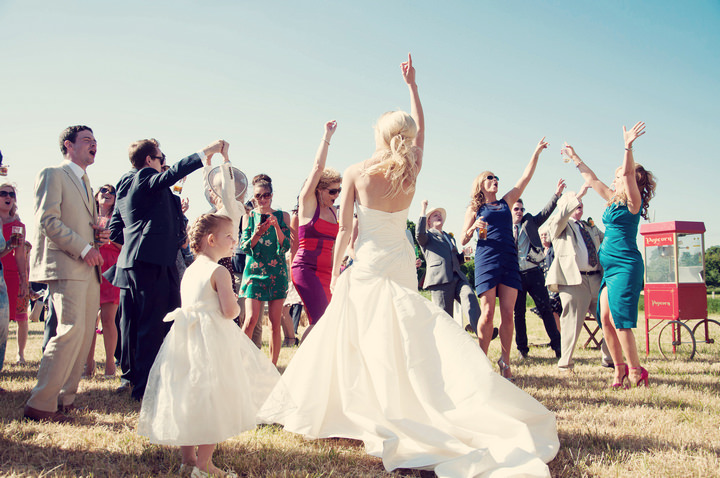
[209, 379]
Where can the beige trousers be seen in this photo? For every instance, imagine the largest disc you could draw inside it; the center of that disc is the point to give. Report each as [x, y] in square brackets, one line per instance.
[76, 303]
[576, 301]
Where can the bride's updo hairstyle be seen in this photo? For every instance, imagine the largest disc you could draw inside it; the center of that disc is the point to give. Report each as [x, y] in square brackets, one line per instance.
[204, 226]
[396, 130]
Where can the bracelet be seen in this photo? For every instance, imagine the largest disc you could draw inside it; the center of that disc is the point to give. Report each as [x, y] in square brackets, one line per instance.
[628, 149]
[328, 142]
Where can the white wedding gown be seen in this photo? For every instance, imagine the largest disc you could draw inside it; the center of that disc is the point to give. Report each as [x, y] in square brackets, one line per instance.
[208, 380]
[386, 366]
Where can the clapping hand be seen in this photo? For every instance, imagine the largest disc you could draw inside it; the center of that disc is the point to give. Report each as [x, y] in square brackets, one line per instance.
[634, 133]
[408, 72]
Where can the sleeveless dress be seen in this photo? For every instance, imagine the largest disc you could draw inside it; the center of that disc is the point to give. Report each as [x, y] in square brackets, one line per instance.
[4, 312]
[312, 266]
[385, 366]
[110, 253]
[622, 264]
[496, 259]
[208, 379]
[265, 276]
[18, 306]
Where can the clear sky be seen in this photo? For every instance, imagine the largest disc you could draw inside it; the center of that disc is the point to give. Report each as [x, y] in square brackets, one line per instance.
[494, 77]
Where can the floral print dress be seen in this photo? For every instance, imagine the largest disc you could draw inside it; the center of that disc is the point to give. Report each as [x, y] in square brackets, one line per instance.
[265, 276]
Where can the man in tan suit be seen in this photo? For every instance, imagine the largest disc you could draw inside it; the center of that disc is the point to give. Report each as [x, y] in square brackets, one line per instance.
[575, 273]
[66, 260]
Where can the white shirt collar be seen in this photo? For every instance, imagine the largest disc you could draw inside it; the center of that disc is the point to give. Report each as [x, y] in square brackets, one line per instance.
[79, 172]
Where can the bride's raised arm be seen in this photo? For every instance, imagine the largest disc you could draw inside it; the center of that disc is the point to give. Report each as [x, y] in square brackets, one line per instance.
[416, 111]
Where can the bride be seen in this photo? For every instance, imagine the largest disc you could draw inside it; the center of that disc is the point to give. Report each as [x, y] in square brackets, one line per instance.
[385, 365]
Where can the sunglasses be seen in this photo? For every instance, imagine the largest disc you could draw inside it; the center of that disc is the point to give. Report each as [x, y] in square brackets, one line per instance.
[4, 194]
[104, 190]
[522, 209]
[491, 177]
[161, 158]
[334, 191]
[263, 195]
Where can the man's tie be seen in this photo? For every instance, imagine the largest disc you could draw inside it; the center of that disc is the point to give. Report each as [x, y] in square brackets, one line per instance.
[86, 183]
[516, 232]
[592, 252]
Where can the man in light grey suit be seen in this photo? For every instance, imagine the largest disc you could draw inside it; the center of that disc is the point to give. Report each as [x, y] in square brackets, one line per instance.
[444, 278]
[66, 259]
[575, 273]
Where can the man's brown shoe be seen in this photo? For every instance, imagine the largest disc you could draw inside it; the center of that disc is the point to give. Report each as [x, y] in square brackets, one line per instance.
[43, 416]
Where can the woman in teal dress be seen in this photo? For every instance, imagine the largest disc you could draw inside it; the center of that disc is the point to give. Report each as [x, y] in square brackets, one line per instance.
[620, 258]
[265, 239]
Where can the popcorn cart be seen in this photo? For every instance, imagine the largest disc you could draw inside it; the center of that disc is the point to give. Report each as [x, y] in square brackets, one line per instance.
[675, 291]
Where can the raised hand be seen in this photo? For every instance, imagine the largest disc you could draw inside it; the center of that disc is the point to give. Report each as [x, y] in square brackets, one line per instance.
[560, 187]
[634, 133]
[185, 205]
[542, 144]
[570, 151]
[224, 151]
[583, 190]
[408, 72]
[423, 206]
[330, 128]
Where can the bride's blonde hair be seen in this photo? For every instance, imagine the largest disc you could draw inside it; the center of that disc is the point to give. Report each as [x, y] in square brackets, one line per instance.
[398, 160]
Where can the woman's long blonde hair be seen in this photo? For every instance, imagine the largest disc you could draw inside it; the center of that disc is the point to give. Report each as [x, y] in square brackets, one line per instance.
[477, 196]
[646, 184]
[13, 210]
[398, 161]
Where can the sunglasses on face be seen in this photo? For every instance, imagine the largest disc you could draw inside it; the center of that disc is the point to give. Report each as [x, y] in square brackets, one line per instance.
[4, 194]
[491, 177]
[263, 195]
[334, 191]
[522, 209]
[160, 158]
[104, 190]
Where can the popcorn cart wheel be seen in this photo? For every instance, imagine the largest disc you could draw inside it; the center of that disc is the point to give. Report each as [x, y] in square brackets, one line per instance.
[675, 293]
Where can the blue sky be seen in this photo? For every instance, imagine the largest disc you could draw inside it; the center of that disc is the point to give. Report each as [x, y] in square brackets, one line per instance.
[494, 77]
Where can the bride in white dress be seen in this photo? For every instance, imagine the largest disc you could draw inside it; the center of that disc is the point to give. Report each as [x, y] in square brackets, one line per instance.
[385, 365]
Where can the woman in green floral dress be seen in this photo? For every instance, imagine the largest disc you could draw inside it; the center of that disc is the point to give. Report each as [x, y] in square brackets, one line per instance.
[265, 239]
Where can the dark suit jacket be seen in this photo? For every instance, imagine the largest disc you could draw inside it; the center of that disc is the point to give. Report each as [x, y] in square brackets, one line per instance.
[150, 213]
[530, 224]
[442, 260]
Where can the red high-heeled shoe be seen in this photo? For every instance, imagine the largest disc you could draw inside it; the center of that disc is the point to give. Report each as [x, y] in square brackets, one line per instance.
[621, 383]
[643, 377]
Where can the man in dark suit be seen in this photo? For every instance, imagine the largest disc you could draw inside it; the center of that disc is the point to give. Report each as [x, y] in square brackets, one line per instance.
[530, 255]
[153, 231]
[444, 278]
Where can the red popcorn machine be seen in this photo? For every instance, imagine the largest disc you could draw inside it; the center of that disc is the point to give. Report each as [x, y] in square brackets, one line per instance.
[675, 291]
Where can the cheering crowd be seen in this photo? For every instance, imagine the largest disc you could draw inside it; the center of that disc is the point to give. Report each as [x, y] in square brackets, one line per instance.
[180, 302]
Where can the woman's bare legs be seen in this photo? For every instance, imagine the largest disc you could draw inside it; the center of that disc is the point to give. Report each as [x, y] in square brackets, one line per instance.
[110, 335]
[620, 343]
[253, 309]
[22, 336]
[507, 296]
[485, 323]
[275, 316]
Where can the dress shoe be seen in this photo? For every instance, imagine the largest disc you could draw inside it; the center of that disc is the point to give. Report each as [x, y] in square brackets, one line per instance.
[496, 332]
[558, 353]
[125, 386]
[469, 329]
[524, 355]
[607, 363]
[43, 416]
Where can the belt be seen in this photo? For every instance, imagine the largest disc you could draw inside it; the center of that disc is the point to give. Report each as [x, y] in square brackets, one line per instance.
[589, 273]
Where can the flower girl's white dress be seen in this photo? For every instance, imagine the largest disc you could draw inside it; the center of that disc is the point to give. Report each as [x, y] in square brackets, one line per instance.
[386, 366]
[208, 380]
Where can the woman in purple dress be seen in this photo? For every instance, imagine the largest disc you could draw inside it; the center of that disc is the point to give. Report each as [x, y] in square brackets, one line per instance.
[318, 226]
[497, 273]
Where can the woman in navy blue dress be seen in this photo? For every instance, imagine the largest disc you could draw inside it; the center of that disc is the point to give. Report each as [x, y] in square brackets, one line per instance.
[627, 200]
[497, 273]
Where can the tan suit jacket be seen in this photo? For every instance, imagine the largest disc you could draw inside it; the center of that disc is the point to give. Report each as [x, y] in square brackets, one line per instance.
[565, 270]
[64, 214]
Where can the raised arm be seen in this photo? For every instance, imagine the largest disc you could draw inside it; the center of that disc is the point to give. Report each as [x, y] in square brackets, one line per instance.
[308, 200]
[470, 225]
[421, 230]
[416, 111]
[347, 206]
[588, 175]
[627, 170]
[514, 194]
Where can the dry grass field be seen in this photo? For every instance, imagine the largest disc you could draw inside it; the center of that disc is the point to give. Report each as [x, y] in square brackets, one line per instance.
[670, 429]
